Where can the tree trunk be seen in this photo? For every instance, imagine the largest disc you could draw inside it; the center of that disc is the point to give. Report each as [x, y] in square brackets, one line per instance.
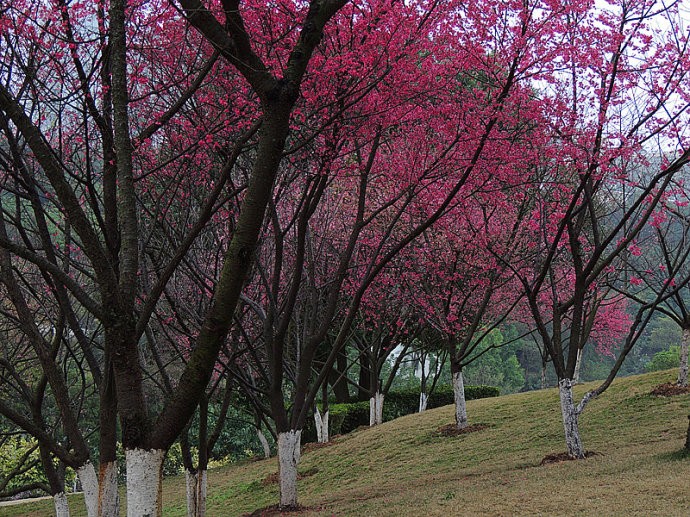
[321, 423]
[201, 490]
[190, 478]
[61, 505]
[683, 370]
[687, 437]
[460, 404]
[144, 477]
[364, 377]
[89, 485]
[108, 494]
[288, 460]
[423, 399]
[570, 417]
[341, 391]
[264, 442]
[376, 409]
[196, 484]
[578, 364]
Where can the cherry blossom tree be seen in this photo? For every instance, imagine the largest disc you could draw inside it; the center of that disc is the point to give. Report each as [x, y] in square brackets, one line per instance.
[607, 119]
[93, 97]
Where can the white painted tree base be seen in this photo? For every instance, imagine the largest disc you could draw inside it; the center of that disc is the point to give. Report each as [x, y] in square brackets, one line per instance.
[460, 403]
[288, 460]
[190, 484]
[196, 483]
[321, 424]
[109, 497]
[61, 505]
[144, 473]
[570, 419]
[201, 491]
[264, 443]
[423, 400]
[376, 409]
[89, 485]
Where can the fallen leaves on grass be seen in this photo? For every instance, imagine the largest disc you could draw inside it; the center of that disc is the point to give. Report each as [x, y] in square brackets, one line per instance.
[312, 446]
[274, 478]
[564, 456]
[276, 509]
[670, 389]
[452, 430]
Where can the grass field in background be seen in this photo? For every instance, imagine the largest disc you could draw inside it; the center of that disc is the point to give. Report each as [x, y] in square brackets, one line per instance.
[406, 468]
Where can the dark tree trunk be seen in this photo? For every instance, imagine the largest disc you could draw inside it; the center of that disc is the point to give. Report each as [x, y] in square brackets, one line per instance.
[338, 379]
[364, 390]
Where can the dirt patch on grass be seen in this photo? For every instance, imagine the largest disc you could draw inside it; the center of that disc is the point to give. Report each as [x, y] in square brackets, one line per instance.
[312, 446]
[451, 430]
[669, 390]
[273, 479]
[273, 510]
[564, 456]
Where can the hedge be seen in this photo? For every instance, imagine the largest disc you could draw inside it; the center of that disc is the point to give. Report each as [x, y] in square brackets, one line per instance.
[344, 418]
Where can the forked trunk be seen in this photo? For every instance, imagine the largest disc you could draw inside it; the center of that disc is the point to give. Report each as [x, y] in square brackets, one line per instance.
[196, 483]
[61, 506]
[321, 423]
[683, 369]
[460, 404]
[264, 443]
[108, 494]
[578, 365]
[423, 399]
[288, 460]
[89, 485]
[376, 409]
[144, 477]
[570, 417]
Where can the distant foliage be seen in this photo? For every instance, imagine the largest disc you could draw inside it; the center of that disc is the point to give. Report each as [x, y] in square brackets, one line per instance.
[664, 360]
[344, 418]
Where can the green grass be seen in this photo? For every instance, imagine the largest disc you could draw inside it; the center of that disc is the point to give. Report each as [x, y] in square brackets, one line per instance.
[405, 468]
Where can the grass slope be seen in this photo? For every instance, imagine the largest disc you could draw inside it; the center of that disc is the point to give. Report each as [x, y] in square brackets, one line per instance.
[405, 467]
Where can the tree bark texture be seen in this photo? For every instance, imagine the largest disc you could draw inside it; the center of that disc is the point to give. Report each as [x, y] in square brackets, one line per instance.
[190, 478]
[570, 420]
[460, 403]
[288, 460]
[196, 484]
[144, 477]
[423, 400]
[108, 494]
[264, 443]
[89, 485]
[61, 505]
[578, 366]
[321, 423]
[376, 409]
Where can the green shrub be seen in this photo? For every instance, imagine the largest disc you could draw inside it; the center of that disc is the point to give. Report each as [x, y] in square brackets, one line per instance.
[664, 360]
[345, 418]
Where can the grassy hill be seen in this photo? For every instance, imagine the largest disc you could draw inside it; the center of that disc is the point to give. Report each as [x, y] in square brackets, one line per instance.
[406, 467]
